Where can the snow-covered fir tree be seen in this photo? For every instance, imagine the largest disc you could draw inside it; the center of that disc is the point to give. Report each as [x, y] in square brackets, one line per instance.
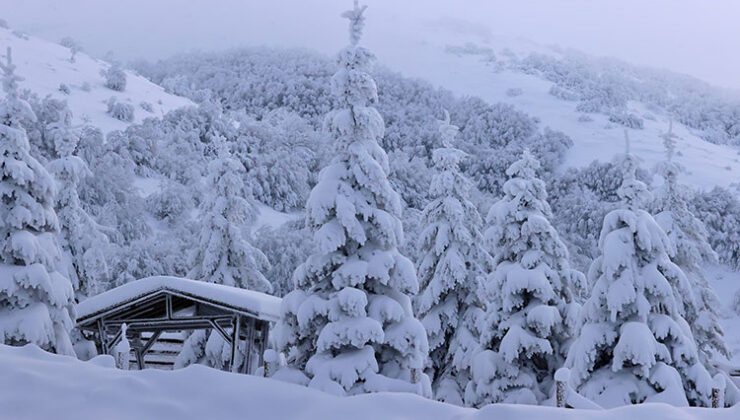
[689, 236]
[36, 300]
[531, 308]
[453, 259]
[224, 254]
[349, 325]
[82, 242]
[634, 346]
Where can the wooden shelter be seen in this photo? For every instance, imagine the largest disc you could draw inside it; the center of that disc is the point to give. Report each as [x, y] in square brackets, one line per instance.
[155, 305]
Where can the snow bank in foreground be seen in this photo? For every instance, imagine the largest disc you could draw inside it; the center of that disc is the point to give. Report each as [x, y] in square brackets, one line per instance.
[38, 385]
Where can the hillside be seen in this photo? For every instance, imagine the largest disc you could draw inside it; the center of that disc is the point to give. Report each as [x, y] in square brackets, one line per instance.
[455, 56]
[45, 66]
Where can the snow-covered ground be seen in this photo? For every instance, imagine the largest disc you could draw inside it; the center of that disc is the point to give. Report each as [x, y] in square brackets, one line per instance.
[458, 59]
[45, 66]
[70, 388]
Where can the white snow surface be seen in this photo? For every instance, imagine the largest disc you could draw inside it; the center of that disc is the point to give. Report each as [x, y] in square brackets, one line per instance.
[39, 385]
[45, 65]
[266, 306]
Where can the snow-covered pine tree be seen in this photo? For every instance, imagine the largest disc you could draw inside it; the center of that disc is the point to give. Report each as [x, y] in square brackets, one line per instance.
[349, 324]
[634, 346]
[36, 301]
[531, 308]
[452, 261]
[688, 235]
[224, 255]
[82, 242]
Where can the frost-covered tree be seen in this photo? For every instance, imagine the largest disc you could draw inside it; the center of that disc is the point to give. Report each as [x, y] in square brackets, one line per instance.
[452, 260]
[531, 308]
[634, 346]
[83, 244]
[224, 254]
[689, 237]
[36, 300]
[115, 78]
[349, 325]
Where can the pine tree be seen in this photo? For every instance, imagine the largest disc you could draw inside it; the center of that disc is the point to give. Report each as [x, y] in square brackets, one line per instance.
[530, 293]
[225, 255]
[36, 301]
[689, 236]
[634, 346]
[452, 261]
[82, 242]
[349, 324]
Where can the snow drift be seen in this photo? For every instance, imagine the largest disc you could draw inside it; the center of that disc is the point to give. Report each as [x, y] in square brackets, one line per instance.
[39, 385]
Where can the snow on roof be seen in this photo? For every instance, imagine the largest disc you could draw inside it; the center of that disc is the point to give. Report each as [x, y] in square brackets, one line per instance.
[266, 307]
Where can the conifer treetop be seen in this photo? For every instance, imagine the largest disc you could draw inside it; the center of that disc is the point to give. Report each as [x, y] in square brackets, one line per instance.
[356, 22]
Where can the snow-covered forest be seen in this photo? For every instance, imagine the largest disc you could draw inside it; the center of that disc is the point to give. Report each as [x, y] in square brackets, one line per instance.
[565, 234]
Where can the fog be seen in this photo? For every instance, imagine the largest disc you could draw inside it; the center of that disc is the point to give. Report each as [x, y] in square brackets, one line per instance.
[699, 38]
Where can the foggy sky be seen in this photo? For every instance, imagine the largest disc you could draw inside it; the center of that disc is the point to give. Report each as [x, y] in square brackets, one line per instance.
[696, 37]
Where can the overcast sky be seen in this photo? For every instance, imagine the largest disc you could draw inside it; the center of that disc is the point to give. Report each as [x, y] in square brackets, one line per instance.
[697, 37]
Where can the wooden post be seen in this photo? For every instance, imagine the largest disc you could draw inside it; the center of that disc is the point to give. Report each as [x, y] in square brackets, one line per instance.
[560, 393]
[263, 341]
[103, 337]
[237, 324]
[250, 345]
[562, 376]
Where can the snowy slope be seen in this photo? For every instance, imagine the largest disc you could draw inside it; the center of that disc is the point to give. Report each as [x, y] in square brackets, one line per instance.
[452, 56]
[40, 385]
[45, 65]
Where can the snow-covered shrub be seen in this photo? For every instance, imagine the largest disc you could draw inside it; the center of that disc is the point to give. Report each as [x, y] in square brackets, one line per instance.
[115, 78]
[531, 308]
[513, 92]
[719, 209]
[119, 110]
[452, 259]
[146, 106]
[627, 119]
[349, 324]
[281, 154]
[63, 88]
[73, 46]
[563, 94]
[36, 299]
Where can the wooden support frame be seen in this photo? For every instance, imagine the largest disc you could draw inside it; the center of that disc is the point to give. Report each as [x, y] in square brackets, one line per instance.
[170, 310]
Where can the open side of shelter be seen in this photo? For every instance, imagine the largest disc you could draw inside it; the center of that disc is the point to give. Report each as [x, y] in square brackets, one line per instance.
[155, 305]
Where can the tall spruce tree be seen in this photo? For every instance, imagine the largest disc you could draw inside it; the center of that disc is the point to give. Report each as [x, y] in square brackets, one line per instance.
[224, 255]
[689, 236]
[82, 242]
[634, 345]
[453, 259]
[531, 310]
[349, 325]
[36, 300]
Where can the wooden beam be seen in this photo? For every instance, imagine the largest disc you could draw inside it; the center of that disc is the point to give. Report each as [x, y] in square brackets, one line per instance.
[221, 331]
[153, 339]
